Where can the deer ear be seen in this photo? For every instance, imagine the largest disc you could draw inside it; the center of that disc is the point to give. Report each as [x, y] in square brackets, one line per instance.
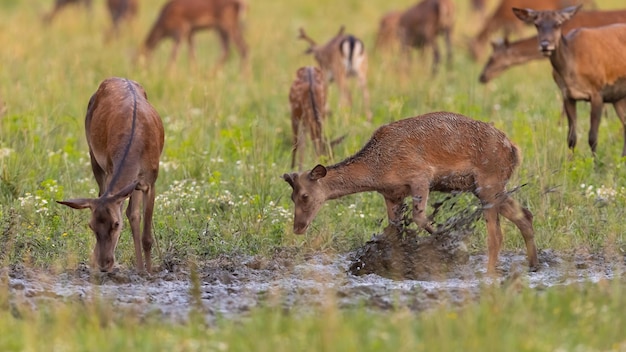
[126, 191]
[289, 179]
[526, 15]
[79, 203]
[568, 13]
[318, 172]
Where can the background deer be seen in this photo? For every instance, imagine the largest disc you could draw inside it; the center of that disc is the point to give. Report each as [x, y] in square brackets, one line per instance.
[180, 19]
[120, 10]
[307, 98]
[343, 56]
[419, 26]
[439, 151]
[508, 54]
[125, 137]
[503, 19]
[60, 4]
[588, 65]
[387, 34]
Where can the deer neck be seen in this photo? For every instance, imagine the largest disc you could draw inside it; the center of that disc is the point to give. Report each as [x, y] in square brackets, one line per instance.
[348, 177]
[561, 56]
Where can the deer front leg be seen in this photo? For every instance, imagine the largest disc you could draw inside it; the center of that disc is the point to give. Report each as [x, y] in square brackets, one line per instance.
[420, 200]
[569, 105]
[147, 238]
[494, 236]
[596, 115]
[134, 218]
[394, 211]
[620, 109]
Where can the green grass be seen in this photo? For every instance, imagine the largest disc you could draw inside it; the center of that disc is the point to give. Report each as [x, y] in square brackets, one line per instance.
[227, 144]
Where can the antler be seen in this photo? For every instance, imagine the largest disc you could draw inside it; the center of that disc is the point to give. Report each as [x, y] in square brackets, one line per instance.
[306, 37]
[341, 30]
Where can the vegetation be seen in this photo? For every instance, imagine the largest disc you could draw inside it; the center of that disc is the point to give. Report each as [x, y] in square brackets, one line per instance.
[228, 141]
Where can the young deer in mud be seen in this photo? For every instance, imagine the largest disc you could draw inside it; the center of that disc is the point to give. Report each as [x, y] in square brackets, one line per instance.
[588, 64]
[438, 151]
[342, 57]
[125, 137]
[120, 10]
[60, 4]
[307, 98]
[180, 19]
[503, 19]
[419, 26]
[507, 54]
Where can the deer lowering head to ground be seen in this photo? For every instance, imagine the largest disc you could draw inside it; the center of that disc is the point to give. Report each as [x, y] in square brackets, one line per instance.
[181, 19]
[438, 151]
[508, 54]
[125, 138]
[588, 64]
[343, 56]
[120, 10]
[60, 4]
[421, 24]
[503, 19]
[307, 98]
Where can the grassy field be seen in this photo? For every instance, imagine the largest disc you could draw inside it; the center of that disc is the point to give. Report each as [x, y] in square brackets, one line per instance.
[228, 141]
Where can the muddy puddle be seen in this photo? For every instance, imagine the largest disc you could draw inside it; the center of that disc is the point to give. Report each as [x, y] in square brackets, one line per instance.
[231, 286]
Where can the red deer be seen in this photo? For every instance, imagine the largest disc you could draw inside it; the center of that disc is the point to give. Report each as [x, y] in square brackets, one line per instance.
[60, 4]
[341, 57]
[503, 19]
[419, 26]
[125, 137]
[120, 10]
[387, 34]
[181, 19]
[439, 151]
[307, 98]
[507, 54]
[588, 64]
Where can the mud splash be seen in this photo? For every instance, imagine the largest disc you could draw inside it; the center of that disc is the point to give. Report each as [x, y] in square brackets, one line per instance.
[231, 286]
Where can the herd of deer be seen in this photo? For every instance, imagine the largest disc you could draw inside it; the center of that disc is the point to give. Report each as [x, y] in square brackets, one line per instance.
[440, 151]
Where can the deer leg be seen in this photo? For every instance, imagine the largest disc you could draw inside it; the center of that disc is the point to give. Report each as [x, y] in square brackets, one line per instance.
[596, 115]
[420, 200]
[436, 57]
[225, 42]
[345, 96]
[569, 105]
[98, 173]
[296, 112]
[494, 236]
[394, 211]
[147, 238]
[620, 110]
[133, 215]
[523, 219]
[192, 49]
[448, 48]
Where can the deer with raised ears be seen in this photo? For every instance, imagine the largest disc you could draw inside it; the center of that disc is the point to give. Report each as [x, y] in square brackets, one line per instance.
[307, 99]
[180, 19]
[343, 56]
[120, 10]
[125, 137]
[588, 65]
[421, 24]
[439, 151]
[503, 19]
[60, 4]
[508, 54]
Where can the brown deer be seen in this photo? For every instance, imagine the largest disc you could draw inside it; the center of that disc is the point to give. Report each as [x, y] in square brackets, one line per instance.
[503, 19]
[588, 64]
[508, 54]
[60, 4]
[439, 151]
[307, 98]
[125, 137]
[181, 19]
[343, 56]
[419, 26]
[120, 10]
[387, 34]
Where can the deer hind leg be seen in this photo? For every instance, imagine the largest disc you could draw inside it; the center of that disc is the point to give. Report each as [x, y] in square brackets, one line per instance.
[296, 113]
[225, 42]
[134, 217]
[523, 219]
[436, 57]
[596, 115]
[494, 236]
[569, 105]
[419, 194]
[147, 239]
[620, 110]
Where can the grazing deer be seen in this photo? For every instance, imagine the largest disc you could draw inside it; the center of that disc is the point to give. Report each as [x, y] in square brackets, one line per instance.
[507, 54]
[120, 10]
[180, 19]
[419, 26]
[125, 137]
[60, 4]
[341, 57]
[439, 151]
[307, 98]
[588, 64]
[503, 19]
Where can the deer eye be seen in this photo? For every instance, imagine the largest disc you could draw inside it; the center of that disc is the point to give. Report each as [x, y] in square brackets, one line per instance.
[304, 197]
[116, 224]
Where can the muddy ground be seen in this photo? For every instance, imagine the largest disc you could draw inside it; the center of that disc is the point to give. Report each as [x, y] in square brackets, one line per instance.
[231, 286]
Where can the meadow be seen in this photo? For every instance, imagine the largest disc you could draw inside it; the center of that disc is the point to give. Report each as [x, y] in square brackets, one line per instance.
[228, 141]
